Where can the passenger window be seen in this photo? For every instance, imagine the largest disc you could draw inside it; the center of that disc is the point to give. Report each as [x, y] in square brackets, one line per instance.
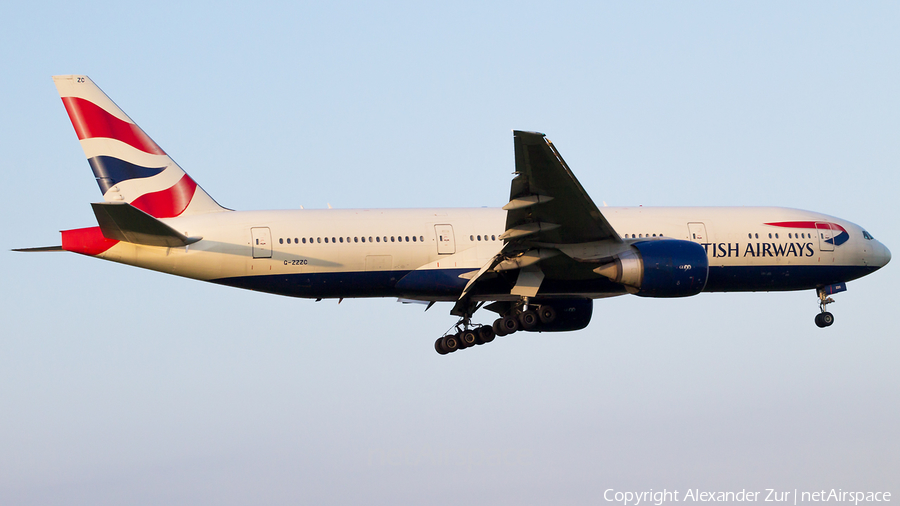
[280, 241]
[326, 240]
[770, 236]
[472, 238]
[333, 241]
[370, 238]
[407, 238]
[319, 240]
[776, 236]
[304, 240]
[421, 238]
[414, 238]
[757, 235]
[493, 238]
[378, 239]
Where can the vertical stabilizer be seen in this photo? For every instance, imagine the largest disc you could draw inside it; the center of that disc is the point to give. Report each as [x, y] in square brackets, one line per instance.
[128, 165]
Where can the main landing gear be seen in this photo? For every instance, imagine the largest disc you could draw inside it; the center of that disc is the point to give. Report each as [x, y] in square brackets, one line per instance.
[824, 318]
[464, 338]
[517, 318]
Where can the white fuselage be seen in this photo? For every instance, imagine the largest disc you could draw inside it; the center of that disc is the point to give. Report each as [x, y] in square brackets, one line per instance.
[366, 252]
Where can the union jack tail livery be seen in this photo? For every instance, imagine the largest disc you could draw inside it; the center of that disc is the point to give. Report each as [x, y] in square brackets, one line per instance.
[129, 166]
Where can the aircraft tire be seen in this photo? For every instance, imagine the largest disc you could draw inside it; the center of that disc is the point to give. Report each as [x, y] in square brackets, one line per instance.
[819, 322]
[450, 343]
[497, 327]
[547, 314]
[827, 319]
[468, 338]
[528, 320]
[439, 346]
[509, 324]
[486, 333]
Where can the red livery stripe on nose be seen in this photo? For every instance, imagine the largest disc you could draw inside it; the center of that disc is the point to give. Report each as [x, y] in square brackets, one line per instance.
[91, 121]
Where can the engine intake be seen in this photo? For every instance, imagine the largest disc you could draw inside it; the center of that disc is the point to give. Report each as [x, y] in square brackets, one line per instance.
[663, 268]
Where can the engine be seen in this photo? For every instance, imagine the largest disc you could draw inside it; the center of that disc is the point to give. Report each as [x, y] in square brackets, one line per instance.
[664, 268]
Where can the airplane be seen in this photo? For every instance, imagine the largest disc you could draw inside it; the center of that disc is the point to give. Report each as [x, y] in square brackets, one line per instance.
[538, 262]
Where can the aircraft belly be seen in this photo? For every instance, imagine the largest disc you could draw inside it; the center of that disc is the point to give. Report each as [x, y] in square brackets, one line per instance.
[755, 278]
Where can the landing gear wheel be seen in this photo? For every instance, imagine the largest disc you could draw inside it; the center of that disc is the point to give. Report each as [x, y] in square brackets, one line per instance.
[468, 338]
[824, 319]
[497, 327]
[486, 333]
[819, 322]
[450, 343]
[547, 314]
[528, 320]
[509, 324]
[439, 346]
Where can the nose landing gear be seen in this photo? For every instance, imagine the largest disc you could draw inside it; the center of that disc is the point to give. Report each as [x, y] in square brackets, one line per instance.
[824, 318]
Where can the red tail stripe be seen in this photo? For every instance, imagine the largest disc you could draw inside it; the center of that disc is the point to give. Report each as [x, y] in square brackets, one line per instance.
[87, 241]
[168, 203]
[90, 121]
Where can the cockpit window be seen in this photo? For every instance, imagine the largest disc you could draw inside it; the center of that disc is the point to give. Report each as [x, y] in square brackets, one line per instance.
[868, 235]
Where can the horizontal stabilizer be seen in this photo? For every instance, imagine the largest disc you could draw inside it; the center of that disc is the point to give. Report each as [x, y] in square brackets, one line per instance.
[124, 222]
[41, 249]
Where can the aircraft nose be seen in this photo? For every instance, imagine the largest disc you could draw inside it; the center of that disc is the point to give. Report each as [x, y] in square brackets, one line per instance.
[885, 256]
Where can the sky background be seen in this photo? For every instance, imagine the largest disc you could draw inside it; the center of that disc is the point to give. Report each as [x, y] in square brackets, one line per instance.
[123, 386]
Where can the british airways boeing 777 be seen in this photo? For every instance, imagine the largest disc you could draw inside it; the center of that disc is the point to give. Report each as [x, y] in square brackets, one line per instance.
[538, 262]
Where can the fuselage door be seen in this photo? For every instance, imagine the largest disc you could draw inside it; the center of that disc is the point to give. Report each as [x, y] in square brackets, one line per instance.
[823, 230]
[697, 232]
[261, 241]
[446, 244]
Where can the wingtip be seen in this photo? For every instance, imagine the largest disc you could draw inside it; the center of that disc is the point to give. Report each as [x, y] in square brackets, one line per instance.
[526, 132]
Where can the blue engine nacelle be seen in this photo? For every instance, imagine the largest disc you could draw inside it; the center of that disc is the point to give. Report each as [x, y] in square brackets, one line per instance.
[663, 268]
[571, 314]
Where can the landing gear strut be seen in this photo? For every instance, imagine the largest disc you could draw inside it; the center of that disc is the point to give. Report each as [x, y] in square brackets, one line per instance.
[824, 318]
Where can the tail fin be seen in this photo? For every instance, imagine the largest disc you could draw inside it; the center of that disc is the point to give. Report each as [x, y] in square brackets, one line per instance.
[128, 165]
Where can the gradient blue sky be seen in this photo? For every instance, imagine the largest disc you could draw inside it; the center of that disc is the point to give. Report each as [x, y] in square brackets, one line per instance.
[122, 386]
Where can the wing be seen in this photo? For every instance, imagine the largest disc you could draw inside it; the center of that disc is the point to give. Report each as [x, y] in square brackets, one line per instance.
[547, 210]
[546, 203]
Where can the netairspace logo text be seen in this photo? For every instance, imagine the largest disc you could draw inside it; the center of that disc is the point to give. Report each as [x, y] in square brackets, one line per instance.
[770, 495]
